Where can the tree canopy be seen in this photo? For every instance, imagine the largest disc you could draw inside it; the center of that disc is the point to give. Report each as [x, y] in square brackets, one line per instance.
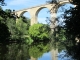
[39, 32]
[72, 30]
[2, 2]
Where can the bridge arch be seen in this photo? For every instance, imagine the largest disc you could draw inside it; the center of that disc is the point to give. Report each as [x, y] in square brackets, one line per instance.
[23, 12]
[41, 14]
[35, 10]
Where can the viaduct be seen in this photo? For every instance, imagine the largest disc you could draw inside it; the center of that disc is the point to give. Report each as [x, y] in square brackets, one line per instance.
[33, 11]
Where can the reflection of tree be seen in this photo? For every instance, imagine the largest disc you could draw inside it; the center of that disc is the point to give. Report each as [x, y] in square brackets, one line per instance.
[3, 51]
[17, 52]
[38, 50]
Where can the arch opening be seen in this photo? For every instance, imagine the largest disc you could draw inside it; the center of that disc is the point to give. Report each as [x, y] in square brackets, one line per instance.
[26, 16]
[42, 15]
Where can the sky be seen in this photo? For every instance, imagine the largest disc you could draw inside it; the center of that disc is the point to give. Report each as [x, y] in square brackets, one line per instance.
[21, 4]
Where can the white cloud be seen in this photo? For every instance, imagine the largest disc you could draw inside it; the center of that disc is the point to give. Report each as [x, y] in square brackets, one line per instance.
[18, 2]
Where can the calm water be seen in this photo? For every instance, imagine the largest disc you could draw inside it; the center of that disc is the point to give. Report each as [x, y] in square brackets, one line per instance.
[24, 52]
[47, 56]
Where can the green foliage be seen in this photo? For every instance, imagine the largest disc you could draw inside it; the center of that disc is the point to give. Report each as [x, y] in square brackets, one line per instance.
[2, 2]
[61, 34]
[4, 33]
[21, 27]
[37, 50]
[11, 32]
[72, 29]
[17, 52]
[1, 20]
[40, 35]
[28, 40]
[22, 31]
[61, 39]
[27, 21]
[11, 26]
[39, 32]
[19, 30]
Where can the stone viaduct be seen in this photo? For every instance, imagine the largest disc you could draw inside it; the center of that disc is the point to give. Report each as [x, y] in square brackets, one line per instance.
[33, 11]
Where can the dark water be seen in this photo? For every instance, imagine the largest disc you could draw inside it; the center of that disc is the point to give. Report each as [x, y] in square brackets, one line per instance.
[25, 52]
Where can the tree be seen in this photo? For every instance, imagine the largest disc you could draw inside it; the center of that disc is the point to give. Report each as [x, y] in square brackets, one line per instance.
[4, 33]
[19, 31]
[13, 36]
[39, 32]
[72, 27]
[4, 16]
[72, 31]
[2, 2]
[18, 44]
[37, 51]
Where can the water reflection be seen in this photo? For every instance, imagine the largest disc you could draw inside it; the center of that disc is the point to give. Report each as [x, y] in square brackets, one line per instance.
[45, 56]
[16, 51]
[28, 52]
[35, 51]
[61, 56]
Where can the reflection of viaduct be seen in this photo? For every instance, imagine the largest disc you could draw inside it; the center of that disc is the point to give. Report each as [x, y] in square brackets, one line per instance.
[35, 10]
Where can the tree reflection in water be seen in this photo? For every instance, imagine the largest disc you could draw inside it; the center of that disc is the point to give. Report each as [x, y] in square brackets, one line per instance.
[24, 52]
